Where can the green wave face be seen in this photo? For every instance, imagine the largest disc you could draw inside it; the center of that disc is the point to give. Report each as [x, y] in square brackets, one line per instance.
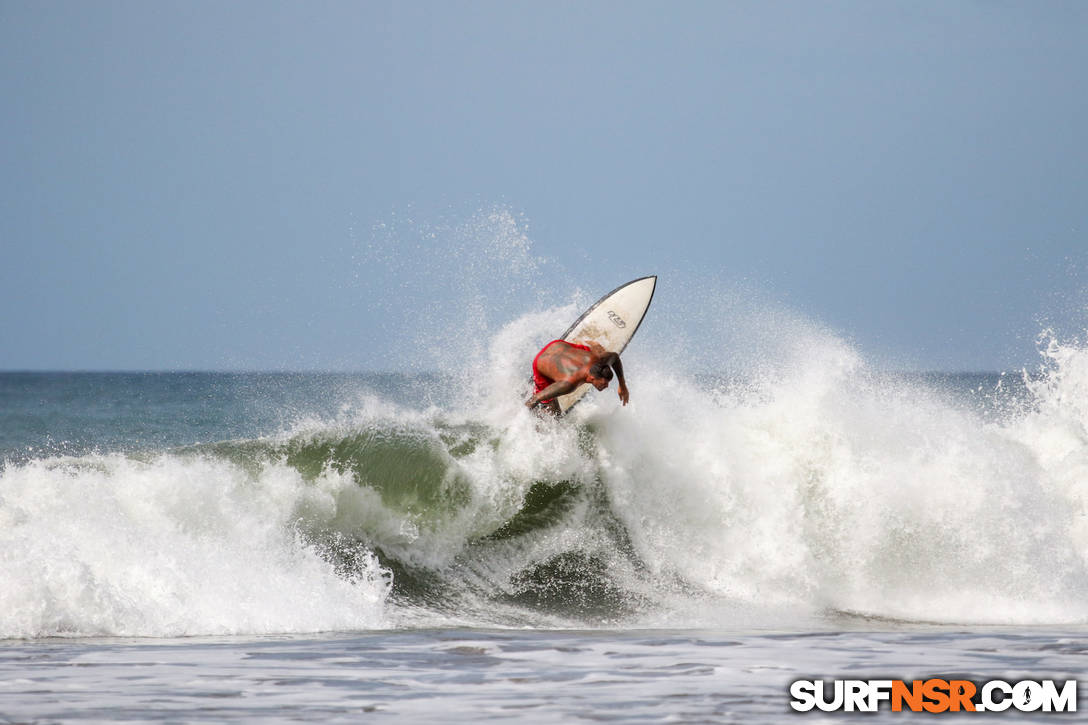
[414, 473]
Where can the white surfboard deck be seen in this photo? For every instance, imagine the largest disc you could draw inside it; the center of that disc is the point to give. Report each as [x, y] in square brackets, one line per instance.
[611, 322]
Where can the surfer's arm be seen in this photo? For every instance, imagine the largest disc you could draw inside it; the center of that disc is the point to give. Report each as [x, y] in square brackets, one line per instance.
[613, 360]
[559, 387]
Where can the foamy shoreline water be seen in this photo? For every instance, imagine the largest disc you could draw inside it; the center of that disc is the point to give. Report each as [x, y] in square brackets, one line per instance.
[467, 675]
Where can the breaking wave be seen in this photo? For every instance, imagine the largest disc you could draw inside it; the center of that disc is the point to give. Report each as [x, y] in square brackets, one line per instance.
[816, 487]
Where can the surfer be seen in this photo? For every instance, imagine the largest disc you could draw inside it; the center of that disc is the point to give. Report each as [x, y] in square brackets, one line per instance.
[562, 366]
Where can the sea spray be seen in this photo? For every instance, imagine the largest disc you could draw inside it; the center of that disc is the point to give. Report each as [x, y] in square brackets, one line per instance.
[1055, 428]
[830, 485]
[453, 282]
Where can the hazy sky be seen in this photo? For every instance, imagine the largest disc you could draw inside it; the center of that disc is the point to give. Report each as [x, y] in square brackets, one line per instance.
[209, 185]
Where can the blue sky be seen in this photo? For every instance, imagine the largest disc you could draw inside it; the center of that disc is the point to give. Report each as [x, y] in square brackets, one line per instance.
[209, 185]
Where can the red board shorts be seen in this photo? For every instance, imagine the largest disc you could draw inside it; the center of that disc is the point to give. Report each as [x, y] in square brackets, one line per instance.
[539, 380]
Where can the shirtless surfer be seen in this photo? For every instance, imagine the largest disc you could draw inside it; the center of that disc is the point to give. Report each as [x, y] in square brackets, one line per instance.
[562, 366]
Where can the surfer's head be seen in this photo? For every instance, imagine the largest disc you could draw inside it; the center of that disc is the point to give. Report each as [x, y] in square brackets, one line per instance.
[599, 376]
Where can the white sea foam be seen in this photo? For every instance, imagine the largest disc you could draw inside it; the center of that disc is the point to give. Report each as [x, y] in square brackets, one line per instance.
[106, 545]
[815, 483]
[830, 486]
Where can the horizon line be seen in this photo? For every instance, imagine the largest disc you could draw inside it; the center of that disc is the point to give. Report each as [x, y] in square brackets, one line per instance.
[318, 371]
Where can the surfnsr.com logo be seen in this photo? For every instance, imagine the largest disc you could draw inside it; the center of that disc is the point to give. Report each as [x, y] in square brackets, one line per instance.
[934, 695]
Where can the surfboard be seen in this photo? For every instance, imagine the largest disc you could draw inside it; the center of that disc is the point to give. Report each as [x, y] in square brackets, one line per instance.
[611, 322]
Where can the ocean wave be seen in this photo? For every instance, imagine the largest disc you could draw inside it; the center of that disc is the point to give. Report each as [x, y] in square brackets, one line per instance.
[813, 485]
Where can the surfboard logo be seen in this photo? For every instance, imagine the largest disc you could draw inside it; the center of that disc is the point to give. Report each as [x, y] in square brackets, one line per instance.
[616, 320]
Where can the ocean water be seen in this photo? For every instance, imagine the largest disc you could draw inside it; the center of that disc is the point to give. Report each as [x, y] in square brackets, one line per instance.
[281, 547]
